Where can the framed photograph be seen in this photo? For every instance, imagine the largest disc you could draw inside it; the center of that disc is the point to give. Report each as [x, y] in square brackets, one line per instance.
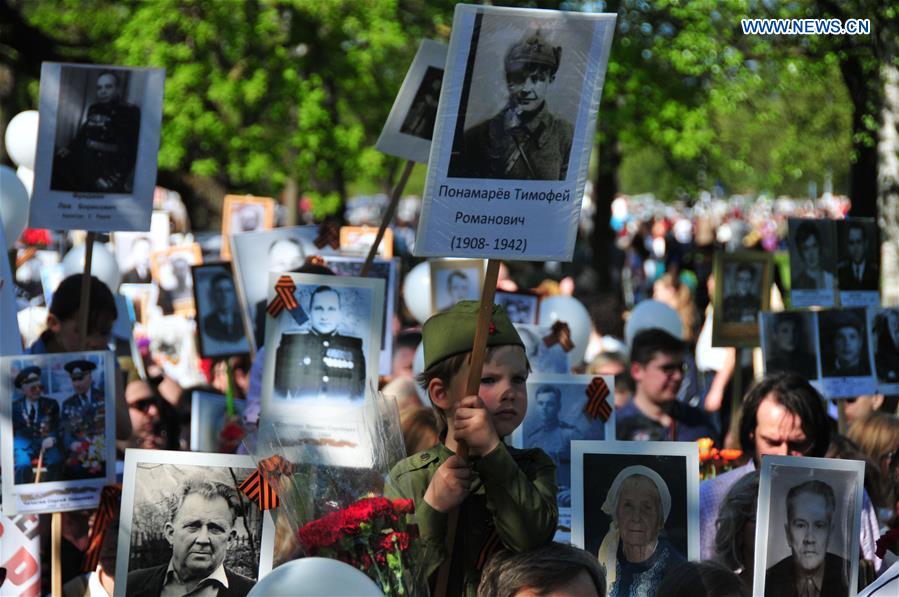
[144, 299]
[410, 126]
[322, 353]
[858, 262]
[809, 513]
[633, 497]
[220, 325]
[883, 325]
[812, 259]
[357, 240]
[514, 130]
[742, 289]
[170, 269]
[133, 249]
[245, 213]
[58, 431]
[560, 411]
[522, 307]
[845, 352]
[790, 342]
[543, 358]
[98, 137]
[387, 270]
[168, 498]
[10, 343]
[254, 255]
[207, 418]
[454, 280]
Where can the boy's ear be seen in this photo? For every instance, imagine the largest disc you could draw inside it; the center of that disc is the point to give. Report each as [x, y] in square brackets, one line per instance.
[438, 392]
[53, 324]
[636, 371]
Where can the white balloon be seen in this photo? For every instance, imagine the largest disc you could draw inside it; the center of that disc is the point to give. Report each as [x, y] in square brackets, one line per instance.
[103, 264]
[319, 577]
[27, 178]
[650, 314]
[21, 138]
[13, 205]
[418, 366]
[571, 311]
[417, 291]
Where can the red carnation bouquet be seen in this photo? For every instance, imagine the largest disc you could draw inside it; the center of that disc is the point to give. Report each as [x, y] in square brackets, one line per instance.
[372, 535]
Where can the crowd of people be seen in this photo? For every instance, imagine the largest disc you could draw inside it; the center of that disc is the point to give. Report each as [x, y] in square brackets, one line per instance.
[670, 385]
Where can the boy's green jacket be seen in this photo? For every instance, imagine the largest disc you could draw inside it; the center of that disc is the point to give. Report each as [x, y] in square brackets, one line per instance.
[512, 504]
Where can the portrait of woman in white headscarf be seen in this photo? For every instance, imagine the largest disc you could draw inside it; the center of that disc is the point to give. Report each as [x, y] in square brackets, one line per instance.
[635, 552]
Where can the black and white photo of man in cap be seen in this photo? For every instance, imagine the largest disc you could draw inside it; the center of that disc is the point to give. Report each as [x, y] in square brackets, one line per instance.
[524, 140]
[83, 420]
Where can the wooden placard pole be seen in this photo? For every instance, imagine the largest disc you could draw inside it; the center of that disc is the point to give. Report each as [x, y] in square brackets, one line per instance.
[83, 316]
[842, 421]
[472, 385]
[736, 392]
[388, 216]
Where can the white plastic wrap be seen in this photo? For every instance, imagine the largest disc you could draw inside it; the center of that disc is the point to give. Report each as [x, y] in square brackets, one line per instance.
[510, 155]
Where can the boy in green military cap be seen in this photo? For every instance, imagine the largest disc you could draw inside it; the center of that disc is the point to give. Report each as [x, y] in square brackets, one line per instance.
[506, 496]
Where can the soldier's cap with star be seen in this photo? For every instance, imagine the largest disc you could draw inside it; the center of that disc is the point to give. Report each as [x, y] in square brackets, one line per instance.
[78, 369]
[27, 375]
[452, 332]
[533, 49]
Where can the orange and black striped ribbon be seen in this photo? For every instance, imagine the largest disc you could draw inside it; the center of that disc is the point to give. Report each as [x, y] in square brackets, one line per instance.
[597, 405]
[491, 546]
[560, 334]
[284, 298]
[107, 511]
[257, 486]
[328, 234]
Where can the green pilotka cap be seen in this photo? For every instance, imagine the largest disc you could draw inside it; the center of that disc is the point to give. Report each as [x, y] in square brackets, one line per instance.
[451, 332]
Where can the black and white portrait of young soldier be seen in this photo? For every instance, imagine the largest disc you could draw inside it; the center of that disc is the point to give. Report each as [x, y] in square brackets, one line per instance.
[526, 139]
[807, 534]
[186, 529]
[788, 343]
[812, 263]
[844, 345]
[858, 260]
[743, 298]
[218, 313]
[97, 132]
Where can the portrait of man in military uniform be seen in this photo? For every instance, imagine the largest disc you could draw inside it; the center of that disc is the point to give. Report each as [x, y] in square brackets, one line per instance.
[742, 302]
[223, 322]
[101, 156]
[83, 422]
[525, 140]
[36, 433]
[320, 362]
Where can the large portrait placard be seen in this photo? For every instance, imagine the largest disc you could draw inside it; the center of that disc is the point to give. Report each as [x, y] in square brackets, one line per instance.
[858, 262]
[514, 131]
[809, 514]
[812, 260]
[844, 350]
[95, 167]
[58, 431]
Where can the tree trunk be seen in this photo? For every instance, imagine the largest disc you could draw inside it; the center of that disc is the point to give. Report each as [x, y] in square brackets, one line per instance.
[888, 185]
[605, 188]
[863, 171]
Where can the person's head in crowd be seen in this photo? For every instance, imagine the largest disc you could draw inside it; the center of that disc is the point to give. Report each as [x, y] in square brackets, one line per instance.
[784, 415]
[877, 436]
[325, 310]
[457, 286]
[62, 320]
[735, 527]
[405, 391]
[701, 579]
[657, 366]
[810, 510]
[240, 375]
[284, 255]
[856, 242]
[404, 347]
[608, 363]
[201, 528]
[847, 339]
[607, 315]
[624, 390]
[419, 426]
[144, 409]
[808, 244]
[858, 407]
[669, 289]
[555, 570]
[222, 297]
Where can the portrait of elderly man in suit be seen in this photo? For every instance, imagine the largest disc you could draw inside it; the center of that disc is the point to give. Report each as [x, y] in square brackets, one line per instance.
[199, 532]
[525, 140]
[810, 570]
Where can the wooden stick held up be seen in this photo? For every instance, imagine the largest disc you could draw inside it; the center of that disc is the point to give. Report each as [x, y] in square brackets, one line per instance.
[472, 385]
[388, 216]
